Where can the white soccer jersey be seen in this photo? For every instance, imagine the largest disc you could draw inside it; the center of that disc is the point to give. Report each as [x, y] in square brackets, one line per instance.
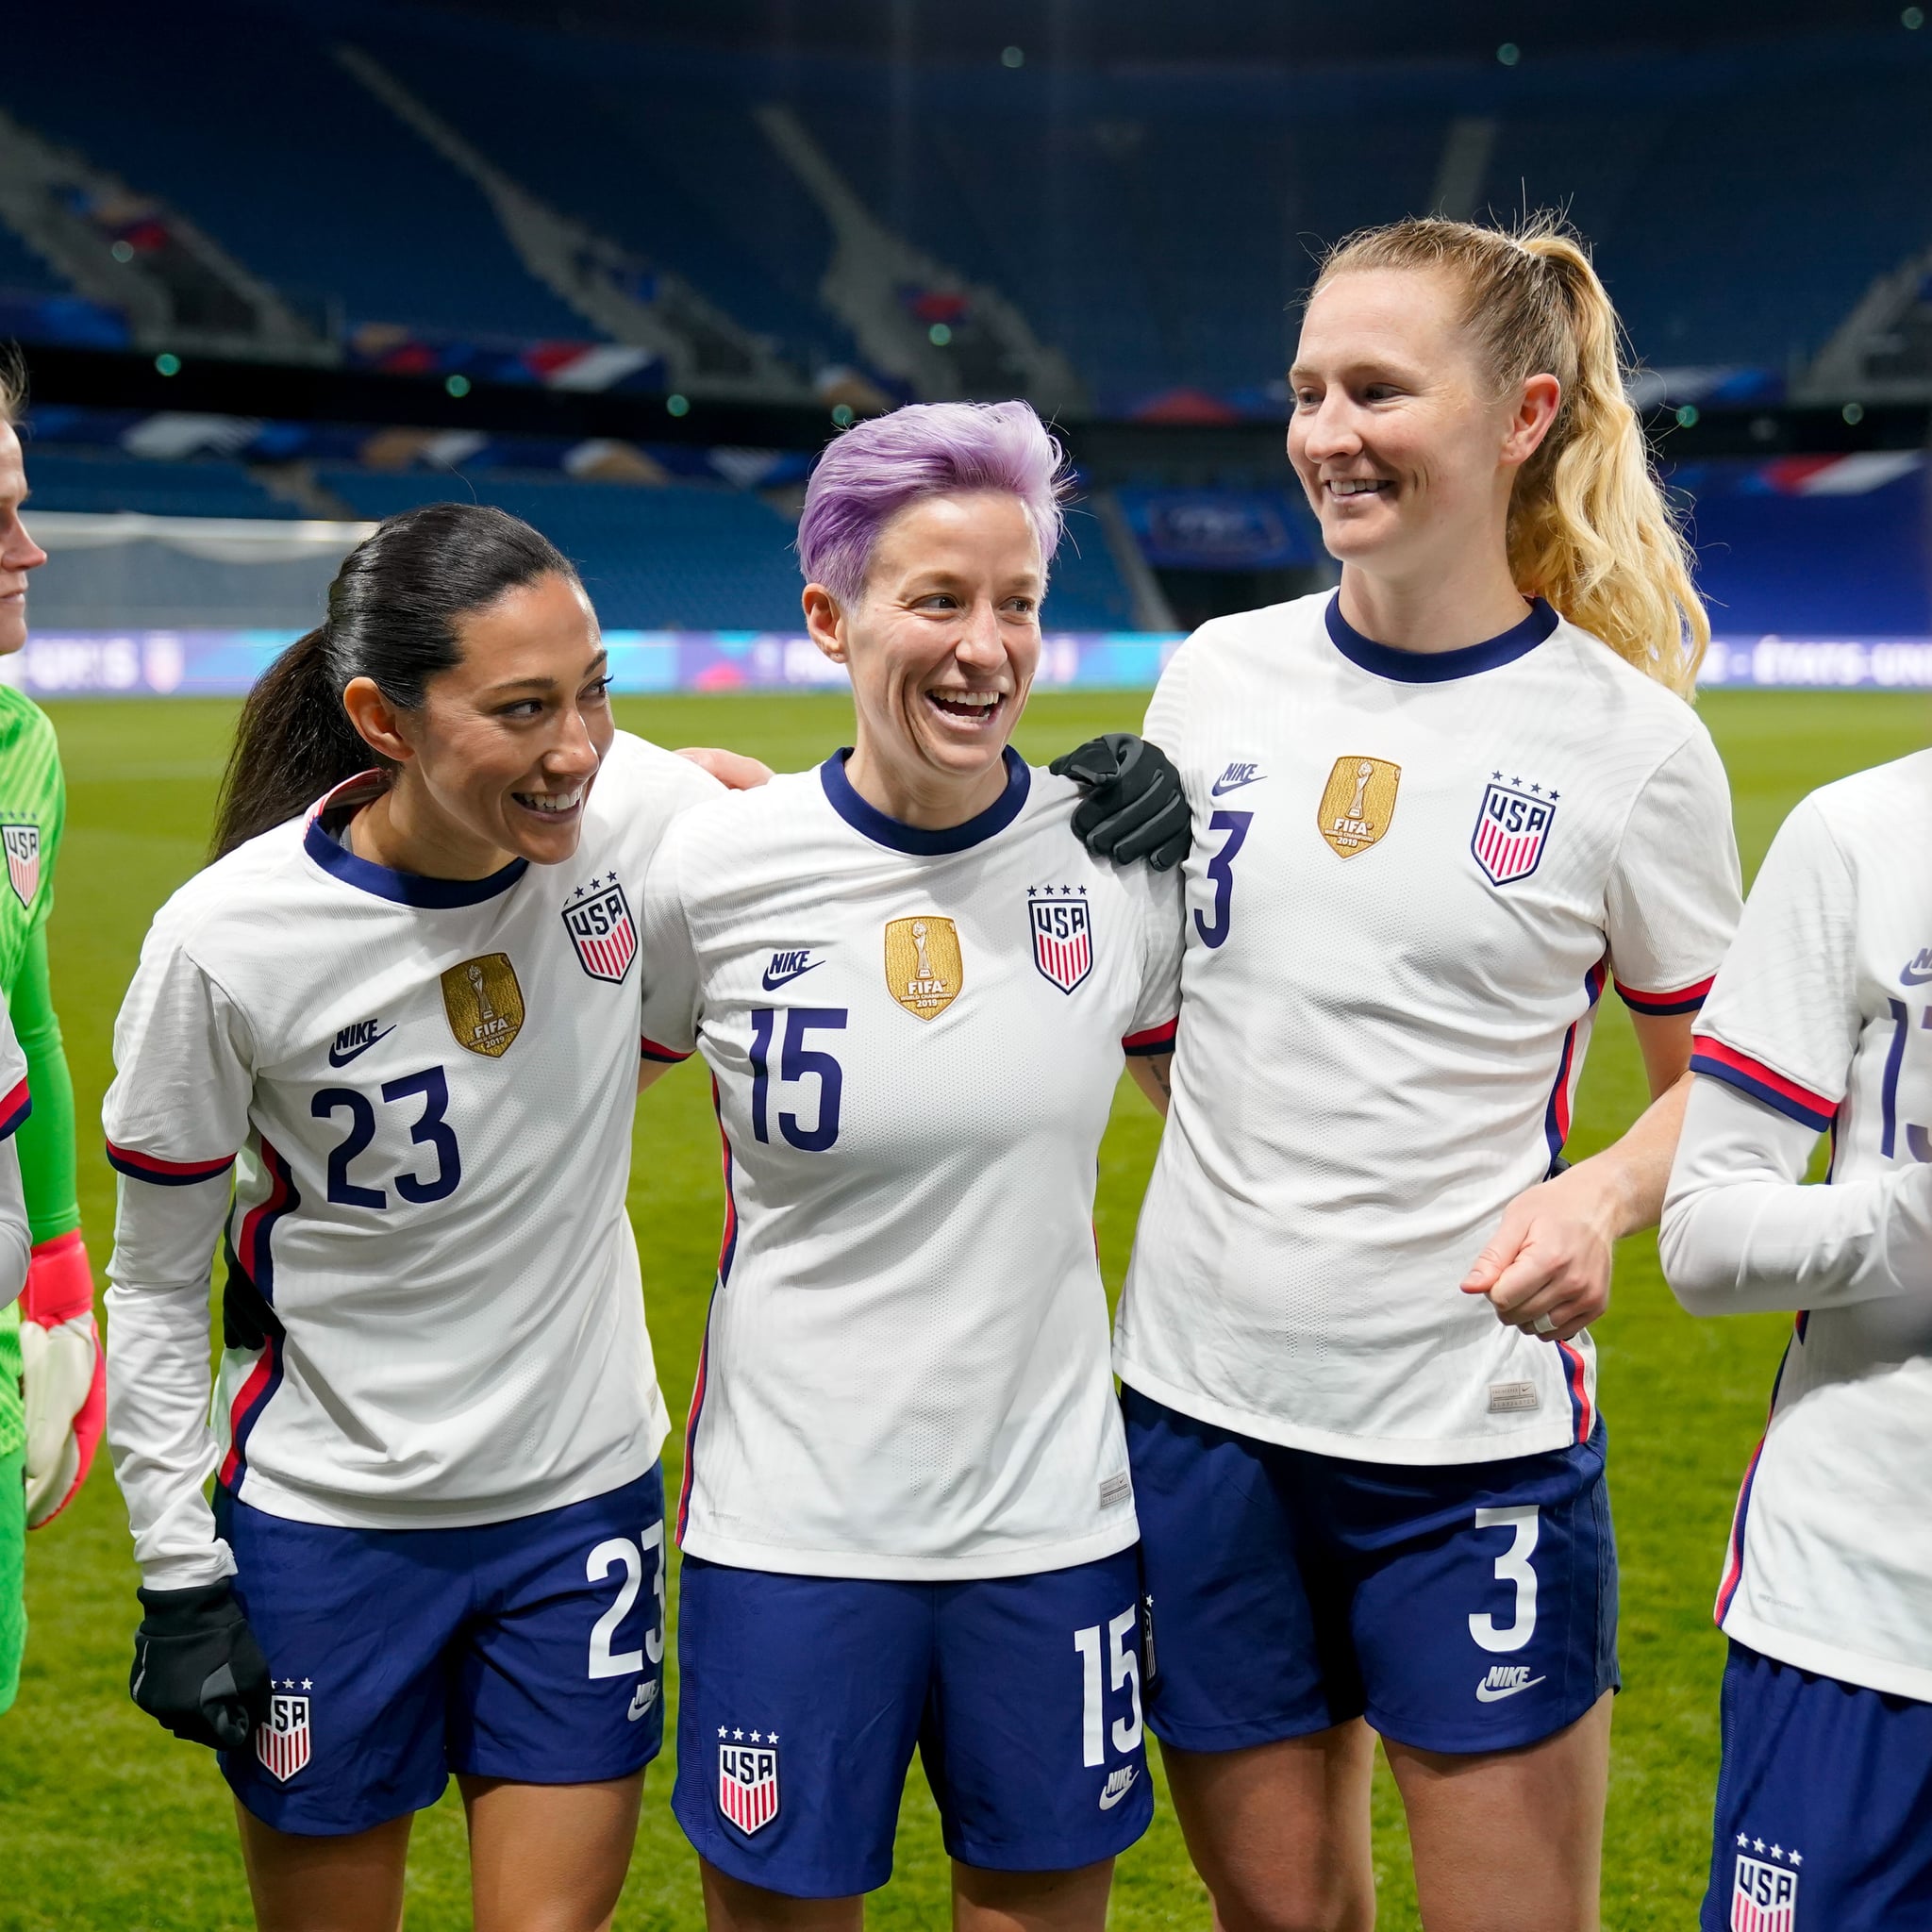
[915, 1039]
[434, 1313]
[1411, 874]
[1820, 1016]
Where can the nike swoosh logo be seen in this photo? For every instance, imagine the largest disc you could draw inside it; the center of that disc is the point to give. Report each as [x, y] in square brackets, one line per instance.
[1221, 788]
[1109, 1799]
[1907, 977]
[641, 1700]
[1489, 1693]
[343, 1059]
[772, 985]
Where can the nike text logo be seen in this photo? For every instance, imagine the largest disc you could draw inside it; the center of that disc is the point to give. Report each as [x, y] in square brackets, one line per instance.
[641, 1700]
[786, 966]
[1118, 1784]
[1234, 778]
[1917, 972]
[355, 1040]
[1505, 1680]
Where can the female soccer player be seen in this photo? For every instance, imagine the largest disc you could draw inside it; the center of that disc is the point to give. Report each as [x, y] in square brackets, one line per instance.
[407, 1018]
[52, 1385]
[906, 1515]
[1434, 813]
[1818, 1023]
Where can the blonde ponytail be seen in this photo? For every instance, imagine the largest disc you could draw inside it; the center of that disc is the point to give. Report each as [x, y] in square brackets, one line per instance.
[1590, 527]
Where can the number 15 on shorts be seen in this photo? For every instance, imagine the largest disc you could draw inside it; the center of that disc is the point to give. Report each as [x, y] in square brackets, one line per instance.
[1121, 1670]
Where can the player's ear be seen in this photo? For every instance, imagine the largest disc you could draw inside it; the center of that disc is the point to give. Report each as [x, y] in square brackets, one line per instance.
[377, 721]
[825, 623]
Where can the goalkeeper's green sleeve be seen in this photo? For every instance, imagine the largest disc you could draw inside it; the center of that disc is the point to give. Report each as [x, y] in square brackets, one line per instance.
[46, 1137]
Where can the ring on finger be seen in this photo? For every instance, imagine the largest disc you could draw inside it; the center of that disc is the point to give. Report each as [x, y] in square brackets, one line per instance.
[1544, 1325]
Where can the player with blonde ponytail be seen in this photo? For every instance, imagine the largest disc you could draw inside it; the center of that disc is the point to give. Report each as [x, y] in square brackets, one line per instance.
[1436, 812]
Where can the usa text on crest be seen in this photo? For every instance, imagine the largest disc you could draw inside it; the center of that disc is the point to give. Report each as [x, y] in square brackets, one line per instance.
[1510, 831]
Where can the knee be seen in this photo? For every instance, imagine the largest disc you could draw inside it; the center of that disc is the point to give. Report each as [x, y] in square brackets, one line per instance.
[1326, 1909]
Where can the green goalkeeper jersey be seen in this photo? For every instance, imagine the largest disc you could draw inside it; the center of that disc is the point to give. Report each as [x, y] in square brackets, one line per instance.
[33, 809]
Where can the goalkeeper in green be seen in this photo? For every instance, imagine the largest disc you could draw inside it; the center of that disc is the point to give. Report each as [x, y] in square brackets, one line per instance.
[52, 1392]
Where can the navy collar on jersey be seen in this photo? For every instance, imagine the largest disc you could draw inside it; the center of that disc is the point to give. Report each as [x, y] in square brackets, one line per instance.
[882, 830]
[1439, 667]
[404, 888]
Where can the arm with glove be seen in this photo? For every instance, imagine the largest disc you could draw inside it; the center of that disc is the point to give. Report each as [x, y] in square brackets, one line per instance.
[174, 1115]
[1136, 806]
[62, 1373]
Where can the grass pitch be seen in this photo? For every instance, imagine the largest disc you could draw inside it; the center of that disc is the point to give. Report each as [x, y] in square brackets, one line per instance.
[106, 1823]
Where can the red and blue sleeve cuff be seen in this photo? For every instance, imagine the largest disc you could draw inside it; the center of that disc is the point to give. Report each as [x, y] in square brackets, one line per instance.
[1155, 1040]
[1687, 999]
[1738, 1069]
[649, 1049]
[14, 1108]
[165, 1174]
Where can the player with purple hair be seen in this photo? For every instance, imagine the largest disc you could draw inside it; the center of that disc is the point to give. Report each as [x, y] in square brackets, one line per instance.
[906, 1517]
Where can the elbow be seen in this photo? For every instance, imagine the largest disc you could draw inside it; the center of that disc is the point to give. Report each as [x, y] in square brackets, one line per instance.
[1694, 1270]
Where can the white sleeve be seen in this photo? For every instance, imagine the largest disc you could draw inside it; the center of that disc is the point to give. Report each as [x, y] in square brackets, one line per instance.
[1167, 710]
[668, 1023]
[16, 1243]
[1162, 917]
[1741, 1234]
[176, 1116]
[1784, 1020]
[1673, 896]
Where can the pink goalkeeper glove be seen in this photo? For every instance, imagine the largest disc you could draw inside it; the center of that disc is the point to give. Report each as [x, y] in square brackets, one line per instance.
[63, 1373]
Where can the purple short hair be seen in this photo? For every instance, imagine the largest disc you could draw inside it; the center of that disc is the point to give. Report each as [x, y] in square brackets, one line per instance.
[926, 449]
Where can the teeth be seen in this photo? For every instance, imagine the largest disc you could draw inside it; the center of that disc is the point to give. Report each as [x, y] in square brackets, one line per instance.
[1354, 486]
[984, 699]
[554, 803]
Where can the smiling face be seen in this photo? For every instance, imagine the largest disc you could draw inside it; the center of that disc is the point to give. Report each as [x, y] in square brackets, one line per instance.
[19, 552]
[498, 760]
[941, 644]
[1407, 454]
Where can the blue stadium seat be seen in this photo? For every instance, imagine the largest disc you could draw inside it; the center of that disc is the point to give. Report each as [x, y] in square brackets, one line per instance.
[99, 483]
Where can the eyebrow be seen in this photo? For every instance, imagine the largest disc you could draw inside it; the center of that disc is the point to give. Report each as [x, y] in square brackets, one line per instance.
[600, 662]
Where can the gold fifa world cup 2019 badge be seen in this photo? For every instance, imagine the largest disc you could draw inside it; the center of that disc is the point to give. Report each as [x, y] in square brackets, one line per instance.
[1358, 803]
[924, 968]
[485, 1004]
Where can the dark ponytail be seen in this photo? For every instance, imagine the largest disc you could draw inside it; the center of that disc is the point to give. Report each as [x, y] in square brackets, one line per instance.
[392, 612]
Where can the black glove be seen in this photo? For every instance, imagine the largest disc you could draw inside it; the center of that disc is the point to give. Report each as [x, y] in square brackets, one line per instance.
[198, 1671]
[1135, 806]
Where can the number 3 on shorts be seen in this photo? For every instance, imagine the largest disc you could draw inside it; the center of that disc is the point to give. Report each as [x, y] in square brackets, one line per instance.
[1126, 1670]
[621, 1550]
[1512, 1566]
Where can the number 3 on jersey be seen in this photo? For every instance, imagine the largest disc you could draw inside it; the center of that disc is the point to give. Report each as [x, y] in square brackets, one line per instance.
[1221, 874]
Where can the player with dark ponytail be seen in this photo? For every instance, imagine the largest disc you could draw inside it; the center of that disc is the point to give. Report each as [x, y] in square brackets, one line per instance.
[401, 1008]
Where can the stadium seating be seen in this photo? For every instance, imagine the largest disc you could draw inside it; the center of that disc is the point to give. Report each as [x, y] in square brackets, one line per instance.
[337, 204]
[104, 483]
[1154, 224]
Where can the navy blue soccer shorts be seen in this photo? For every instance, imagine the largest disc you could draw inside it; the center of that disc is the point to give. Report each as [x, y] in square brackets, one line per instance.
[802, 1699]
[1824, 1804]
[530, 1650]
[1461, 1608]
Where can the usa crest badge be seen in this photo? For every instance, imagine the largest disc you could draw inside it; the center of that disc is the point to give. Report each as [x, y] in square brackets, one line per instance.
[597, 916]
[1062, 938]
[925, 969]
[1511, 832]
[748, 1785]
[1764, 1896]
[1358, 804]
[485, 1004]
[23, 844]
[282, 1743]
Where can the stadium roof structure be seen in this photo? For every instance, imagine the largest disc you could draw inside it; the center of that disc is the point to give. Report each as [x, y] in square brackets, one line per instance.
[1133, 32]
